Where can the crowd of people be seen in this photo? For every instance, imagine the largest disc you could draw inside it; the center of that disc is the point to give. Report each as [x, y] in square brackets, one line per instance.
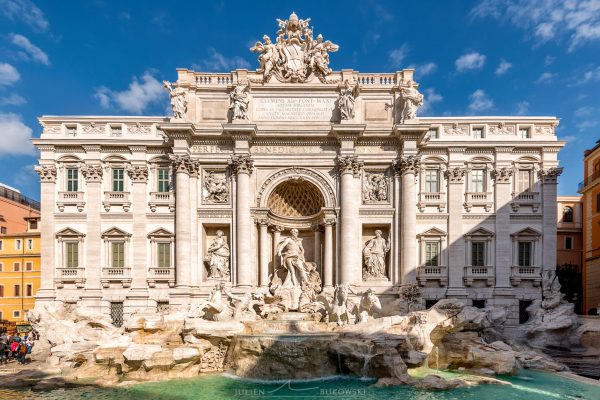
[15, 347]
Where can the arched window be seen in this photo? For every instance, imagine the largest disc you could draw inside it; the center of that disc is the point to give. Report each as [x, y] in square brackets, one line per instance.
[567, 214]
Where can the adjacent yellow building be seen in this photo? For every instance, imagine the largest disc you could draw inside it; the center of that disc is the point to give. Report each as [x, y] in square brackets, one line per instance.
[19, 271]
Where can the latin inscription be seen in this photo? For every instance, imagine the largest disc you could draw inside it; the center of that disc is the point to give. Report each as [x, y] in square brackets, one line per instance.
[290, 149]
[293, 108]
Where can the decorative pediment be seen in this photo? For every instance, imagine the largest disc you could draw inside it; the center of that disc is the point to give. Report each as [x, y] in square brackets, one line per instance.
[69, 232]
[481, 232]
[527, 232]
[432, 232]
[115, 232]
[161, 233]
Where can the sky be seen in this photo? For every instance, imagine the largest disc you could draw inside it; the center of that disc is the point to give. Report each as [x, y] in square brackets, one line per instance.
[485, 57]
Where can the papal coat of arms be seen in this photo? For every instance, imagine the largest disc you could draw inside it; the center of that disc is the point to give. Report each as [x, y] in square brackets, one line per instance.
[296, 54]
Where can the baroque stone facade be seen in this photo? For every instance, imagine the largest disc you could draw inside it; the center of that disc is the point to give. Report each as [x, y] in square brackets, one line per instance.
[380, 197]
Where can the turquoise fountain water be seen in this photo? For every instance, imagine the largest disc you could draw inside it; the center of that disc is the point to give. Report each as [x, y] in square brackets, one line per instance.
[527, 385]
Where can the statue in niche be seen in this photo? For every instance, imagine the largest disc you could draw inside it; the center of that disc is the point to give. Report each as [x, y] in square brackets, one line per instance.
[217, 257]
[291, 252]
[347, 100]
[215, 188]
[411, 100]
[374, 257]
[178, 100]
[375, 188]
[238, 102]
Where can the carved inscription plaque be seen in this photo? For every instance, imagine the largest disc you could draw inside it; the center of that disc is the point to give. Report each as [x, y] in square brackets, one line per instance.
[293, 108]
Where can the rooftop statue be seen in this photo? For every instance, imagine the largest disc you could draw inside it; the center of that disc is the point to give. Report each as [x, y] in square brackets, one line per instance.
[295, 55]
[178, 100]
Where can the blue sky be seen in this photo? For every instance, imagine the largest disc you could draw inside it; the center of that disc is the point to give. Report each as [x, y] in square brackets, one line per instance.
[486, 57]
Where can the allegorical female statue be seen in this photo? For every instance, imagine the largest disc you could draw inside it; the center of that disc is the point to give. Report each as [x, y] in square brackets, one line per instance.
[218, 257]
[374, 256]
[178, 100]
[238, 102]
[411, 100]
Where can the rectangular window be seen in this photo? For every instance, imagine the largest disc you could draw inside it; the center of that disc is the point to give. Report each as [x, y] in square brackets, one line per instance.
[3, 230]
[478, 133]
[28, 266]
[16, 314]
[17, 290]
[71, 130]
[72, 250]
[432, 181]
[1, 292]
[478, 181]
[569, 242]
[597, 203]
[29, 290]
[525, 259]
[116, 313]
[16, 266]
[524, 133]
[1, 267]
[433, 133]
[163, 180]
[1, 245]
[164, 255]
[18, 244]
[118, 180]
[524, 180]
[72, 179]
[478, 254]
[29, 244]
[431, 254]
[116, 130]
[118, 254]
[33, 224]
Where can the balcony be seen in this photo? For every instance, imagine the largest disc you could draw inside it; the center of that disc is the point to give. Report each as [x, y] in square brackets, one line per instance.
[475, 273]
[163, 275]
[436, 199]
[70, 199]
[484, 199]
[432, 273]
[75, 276]
[588, 181]
[116, 275]
[162, 199]
[525, 273]
[526, 199]
[116, 199]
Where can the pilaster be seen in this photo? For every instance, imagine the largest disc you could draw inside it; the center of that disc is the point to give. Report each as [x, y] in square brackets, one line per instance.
[549, 179]
[455, 176]
[47, 203]
[138, 175]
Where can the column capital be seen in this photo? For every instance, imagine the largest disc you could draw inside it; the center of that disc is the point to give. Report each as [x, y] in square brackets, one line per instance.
[349, 165]
[455, 175]
[407, 165]
[329, 221]
[241, 164]
[138, 173]
[182, 163]
[263, 221]
[92, 172]
[550, 175]
[502, 175]
[47, 173]
[277, 228]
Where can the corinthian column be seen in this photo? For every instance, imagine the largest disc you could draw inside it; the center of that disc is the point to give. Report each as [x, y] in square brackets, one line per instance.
[328, 254]
[138, 174]
[47, 201]
[183, 168]
[242, 167]
[350, 270]
[408, 167]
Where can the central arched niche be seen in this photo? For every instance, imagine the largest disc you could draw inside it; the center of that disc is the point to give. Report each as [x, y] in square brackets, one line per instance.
[295, 198]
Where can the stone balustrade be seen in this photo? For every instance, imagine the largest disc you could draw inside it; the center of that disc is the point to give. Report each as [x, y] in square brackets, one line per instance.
[70, 199]
[74, 276]
[473, 273]
[116, 199]
[485, 199]
[520, 273]
[526, 199]
[161, 275]
[432, 273]
[436, 199]
[166, 199]
[116, 275]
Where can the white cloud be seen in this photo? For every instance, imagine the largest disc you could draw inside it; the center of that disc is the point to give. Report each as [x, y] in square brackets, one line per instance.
[577, 21]
[591, 75]
[218, 62]
[424, 69]
[26, 11]
[503, 67]
[15, 136]
[397, 56]
[549, 60]
[8, 74]
[480, 101]
[431, 97]
[584, 111]
[31, 51]
[522, 108]
[12, 100]
[140, 94]
[470, 61]
[545, 77]
[584, 125]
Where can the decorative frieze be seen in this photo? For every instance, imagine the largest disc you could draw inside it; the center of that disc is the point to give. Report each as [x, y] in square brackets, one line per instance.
[241, 164]
[502, 175]
[455, 175]
[349, 165]
[502, 129]
[138, 173]
[455, 129]
[407, 165]
[93, 129]
[550, 175]
[47, 173]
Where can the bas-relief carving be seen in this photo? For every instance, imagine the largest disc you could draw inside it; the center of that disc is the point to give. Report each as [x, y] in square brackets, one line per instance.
[347, 100]
[544, 130]
[238, 103]
[374, 254]
[217, 258]
[410, 101]
[179, 100]
[139, 129]
[214, 187]
[502, 129]
[375, 188]
[455, 129]
[92, 128]
[295, 55]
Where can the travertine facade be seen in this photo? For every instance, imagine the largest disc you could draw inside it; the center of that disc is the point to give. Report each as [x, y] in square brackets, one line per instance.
[465, 206]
